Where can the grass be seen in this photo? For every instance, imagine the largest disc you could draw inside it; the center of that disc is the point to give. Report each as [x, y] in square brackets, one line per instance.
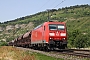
[44, 57]
[13, 53]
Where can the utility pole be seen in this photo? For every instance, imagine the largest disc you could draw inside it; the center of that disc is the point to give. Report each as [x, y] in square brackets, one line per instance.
[48, 14]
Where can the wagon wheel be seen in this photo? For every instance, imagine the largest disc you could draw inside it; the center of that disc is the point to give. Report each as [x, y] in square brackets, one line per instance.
[47, 48]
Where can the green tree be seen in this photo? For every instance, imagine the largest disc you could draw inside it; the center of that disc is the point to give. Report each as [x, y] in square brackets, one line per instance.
[81, 41]
[72, 36]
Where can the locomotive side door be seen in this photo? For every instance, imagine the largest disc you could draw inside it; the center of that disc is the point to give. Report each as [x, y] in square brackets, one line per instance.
[43, 32]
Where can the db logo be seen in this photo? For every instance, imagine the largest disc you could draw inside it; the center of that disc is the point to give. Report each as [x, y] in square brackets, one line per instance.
[57, 34]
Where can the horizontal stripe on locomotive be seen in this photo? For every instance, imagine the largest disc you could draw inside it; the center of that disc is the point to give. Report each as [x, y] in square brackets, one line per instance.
[40, 41]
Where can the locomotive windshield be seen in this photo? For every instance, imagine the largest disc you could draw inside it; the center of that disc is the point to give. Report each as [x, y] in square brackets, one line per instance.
[56, 27]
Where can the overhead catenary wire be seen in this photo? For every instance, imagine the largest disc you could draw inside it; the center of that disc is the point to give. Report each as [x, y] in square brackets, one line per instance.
[59, 3]
[53, 2]
[44, 4]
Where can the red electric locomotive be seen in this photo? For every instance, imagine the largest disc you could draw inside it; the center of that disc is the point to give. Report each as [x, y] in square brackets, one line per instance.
[50, 35]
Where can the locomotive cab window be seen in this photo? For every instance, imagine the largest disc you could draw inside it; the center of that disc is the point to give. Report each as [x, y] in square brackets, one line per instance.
[56, 27]
[52, 27]
[61, 27]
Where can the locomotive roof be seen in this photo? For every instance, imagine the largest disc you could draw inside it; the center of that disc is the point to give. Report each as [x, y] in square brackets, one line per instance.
[55, 22]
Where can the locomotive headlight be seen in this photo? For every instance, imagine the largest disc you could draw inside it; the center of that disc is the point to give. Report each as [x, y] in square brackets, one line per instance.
[63, 34]
[50, 38]
[51, 34]
[64, 38]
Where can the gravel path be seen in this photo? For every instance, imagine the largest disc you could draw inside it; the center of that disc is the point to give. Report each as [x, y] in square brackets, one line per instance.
[56, 55]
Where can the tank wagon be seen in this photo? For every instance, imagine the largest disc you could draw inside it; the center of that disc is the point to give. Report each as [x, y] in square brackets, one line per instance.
[49, 35]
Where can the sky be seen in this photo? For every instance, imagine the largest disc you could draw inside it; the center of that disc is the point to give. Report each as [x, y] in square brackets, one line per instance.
[13, 9]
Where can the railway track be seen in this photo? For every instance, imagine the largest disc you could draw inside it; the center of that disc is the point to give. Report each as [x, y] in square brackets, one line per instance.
[75, 52]
[71, 54]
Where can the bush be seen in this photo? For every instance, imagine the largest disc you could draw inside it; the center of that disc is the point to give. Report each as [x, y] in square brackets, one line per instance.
[72, 36]
[81, 41]
[2, 43]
